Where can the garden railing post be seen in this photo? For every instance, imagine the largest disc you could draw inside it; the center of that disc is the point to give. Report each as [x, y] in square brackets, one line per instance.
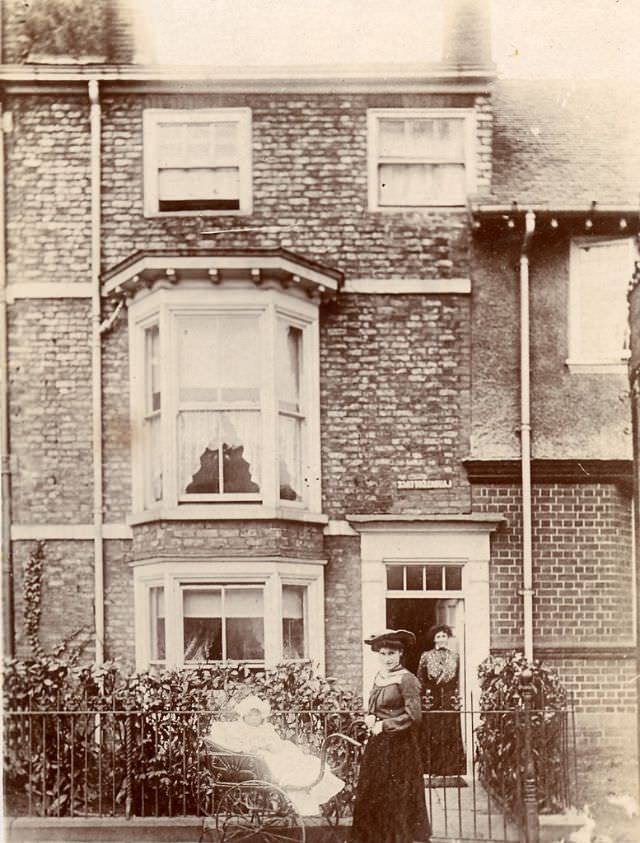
[128, 753]
[532, 824]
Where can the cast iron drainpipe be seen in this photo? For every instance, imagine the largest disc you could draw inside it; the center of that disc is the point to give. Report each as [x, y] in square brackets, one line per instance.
[96, 373]
[9, 636]
[525, 436]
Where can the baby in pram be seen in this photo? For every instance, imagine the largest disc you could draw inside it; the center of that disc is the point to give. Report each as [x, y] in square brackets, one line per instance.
[295, 771]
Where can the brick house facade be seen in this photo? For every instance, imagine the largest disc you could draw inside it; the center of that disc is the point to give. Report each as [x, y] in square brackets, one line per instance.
[349, 454]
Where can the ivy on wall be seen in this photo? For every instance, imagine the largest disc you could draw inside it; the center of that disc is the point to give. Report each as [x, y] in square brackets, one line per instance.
[32, 598]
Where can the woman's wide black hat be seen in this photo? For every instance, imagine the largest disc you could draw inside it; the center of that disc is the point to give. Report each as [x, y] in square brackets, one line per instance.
[404, 637]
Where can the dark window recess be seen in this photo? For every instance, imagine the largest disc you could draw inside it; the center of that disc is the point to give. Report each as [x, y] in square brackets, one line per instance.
[236, 472]
[199, 205]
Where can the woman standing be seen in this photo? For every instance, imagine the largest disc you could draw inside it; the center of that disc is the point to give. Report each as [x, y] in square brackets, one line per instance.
[442, 749]
[390, 801]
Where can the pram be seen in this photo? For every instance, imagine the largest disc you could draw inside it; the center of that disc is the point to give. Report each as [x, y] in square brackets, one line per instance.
[240, 803]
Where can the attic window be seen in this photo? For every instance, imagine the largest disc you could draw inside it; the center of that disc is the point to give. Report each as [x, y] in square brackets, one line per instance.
[197, 161]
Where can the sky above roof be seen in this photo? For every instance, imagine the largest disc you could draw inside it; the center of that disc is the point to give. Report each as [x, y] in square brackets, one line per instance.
[531, 38]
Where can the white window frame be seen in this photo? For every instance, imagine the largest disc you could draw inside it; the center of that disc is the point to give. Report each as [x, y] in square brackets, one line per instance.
[152, 117]
[271, 573]
[163, 306]
[578, 361]
[374, 115]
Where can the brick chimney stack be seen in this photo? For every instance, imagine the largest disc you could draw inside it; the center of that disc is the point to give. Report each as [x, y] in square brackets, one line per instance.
[467, 34]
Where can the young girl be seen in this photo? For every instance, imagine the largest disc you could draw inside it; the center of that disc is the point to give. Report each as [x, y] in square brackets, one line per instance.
[289, 767]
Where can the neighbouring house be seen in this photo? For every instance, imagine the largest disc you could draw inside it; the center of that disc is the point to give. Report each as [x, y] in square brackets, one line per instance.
[295, 354]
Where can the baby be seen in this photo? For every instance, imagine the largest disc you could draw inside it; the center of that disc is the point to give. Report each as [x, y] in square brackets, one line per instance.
[289, 767]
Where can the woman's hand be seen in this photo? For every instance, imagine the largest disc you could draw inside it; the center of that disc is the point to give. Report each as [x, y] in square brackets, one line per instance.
[377, 727]
[369, 721]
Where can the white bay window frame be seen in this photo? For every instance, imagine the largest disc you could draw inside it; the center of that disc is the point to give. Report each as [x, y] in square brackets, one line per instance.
[271, 574]
[375, 157]
[164, 307]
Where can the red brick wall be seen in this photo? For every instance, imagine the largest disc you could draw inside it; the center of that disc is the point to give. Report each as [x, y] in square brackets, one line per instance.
[582, 564]
[343, 610]
[67, 593]
[227, 538]
[394, 392]
[50, 407]
[309, 176]
[119, 610]
[48, 189]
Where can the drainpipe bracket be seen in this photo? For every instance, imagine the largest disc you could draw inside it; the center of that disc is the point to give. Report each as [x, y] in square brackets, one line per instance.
[523, 591]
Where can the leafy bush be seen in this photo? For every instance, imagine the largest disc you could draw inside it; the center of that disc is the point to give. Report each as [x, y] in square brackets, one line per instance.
[500, 736]
[93, 725]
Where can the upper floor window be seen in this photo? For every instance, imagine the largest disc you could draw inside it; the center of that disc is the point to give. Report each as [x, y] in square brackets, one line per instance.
[598, 313]
[197, 161]
[225, 399]
[420, 157]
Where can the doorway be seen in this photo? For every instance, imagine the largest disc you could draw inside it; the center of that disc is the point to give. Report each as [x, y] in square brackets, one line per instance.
[418, 615]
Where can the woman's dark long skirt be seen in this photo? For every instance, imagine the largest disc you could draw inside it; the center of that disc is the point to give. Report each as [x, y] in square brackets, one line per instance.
[390, 801]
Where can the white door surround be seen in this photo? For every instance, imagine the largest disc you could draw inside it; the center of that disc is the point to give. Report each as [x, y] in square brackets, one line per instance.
[463, 539]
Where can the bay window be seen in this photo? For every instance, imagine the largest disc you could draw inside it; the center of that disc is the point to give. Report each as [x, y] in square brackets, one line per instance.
[255, 611]
[225, 401]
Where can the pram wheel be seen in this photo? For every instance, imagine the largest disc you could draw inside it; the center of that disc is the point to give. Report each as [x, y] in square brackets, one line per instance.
[257, 812]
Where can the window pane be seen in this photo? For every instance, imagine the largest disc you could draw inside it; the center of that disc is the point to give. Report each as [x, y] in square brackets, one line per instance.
[244, 602]
[202, 435]
[245, 639]
[414, 577]
[604, 273]
[219, 359]
[395, 577]
[152, 354]
[225, 142]
[453, 577]
[288, 370]
[434, 577]
[244, 610]
[293, 638]
[157, 631]
[448, 139]
[171, 144]
[153, 459]
[391, 139]
[202, 625]
[290, 463]
[199, 183]
[421, 184]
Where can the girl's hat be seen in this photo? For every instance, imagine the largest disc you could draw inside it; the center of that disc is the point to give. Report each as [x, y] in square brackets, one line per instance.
[248, 703]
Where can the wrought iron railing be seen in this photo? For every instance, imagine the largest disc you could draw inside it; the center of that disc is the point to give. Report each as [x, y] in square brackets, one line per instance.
[154, 764]
[131, 762]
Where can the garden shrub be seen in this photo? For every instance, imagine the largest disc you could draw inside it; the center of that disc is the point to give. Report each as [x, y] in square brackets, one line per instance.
[154, 724]
[500, 735]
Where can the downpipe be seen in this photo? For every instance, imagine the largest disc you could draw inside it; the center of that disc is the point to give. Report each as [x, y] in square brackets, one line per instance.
[8, 631]
[525, 436]
[96, 372]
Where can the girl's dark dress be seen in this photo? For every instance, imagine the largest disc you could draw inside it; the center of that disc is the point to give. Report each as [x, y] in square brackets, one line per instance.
[390, 801]
[441, 743]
